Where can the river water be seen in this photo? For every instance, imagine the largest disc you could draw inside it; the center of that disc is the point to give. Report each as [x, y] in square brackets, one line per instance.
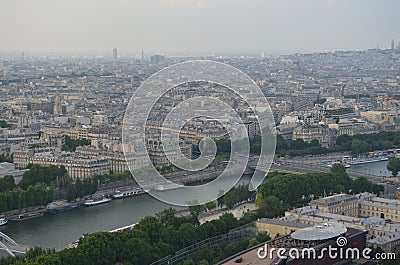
[59, 230]
[376, 169]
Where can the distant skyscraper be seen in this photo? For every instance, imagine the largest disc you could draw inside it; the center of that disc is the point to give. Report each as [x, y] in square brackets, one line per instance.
[263, 55]
[23, 56]
[57, 109]
[142, 55]
[115, 53]
[392, 44]
[157, 58]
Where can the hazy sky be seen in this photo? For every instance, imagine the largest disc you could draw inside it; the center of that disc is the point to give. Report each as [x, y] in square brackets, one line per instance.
[197, 26]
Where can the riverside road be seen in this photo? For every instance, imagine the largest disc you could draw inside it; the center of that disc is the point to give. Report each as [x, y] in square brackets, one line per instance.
[59, 230]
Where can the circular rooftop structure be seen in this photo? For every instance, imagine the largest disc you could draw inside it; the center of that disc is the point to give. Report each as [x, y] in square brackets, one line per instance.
[320, 232]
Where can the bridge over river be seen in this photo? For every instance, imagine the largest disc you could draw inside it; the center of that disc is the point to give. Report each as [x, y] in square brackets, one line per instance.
[10, 246]
[292, 166]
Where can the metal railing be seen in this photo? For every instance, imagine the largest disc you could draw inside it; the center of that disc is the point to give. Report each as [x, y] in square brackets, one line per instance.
[239, 233]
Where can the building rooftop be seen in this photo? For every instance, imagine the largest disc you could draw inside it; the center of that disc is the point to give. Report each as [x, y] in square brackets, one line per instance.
[320, 232]
[334, 199]
[250, 257]
[283, 222]
[390, 204]
[381, 240]
[306, 210]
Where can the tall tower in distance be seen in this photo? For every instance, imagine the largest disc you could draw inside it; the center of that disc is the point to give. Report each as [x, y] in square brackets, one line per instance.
[115, 53]
[57, 109]
[392, 44]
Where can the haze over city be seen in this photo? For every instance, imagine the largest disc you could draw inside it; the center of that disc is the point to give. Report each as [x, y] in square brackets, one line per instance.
[199, 132]
[176, 27]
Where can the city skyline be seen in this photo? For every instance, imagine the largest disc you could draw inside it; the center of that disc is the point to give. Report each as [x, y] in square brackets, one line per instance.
[179, 27]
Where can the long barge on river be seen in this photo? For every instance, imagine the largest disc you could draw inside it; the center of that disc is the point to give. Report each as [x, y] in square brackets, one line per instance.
[365, 160]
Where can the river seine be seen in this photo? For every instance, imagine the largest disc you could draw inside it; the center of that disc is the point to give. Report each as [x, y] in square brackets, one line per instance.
[59, 230]
[376, 169]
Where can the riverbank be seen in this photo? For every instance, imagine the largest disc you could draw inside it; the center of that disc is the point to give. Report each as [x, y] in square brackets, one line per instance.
[59, 230]
[24, 215]
[237, 212]
[61, 204]
[39, 211]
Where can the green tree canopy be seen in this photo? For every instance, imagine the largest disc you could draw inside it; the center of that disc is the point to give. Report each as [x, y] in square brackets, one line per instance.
[394, 166]
[4, 124]
[338, 169]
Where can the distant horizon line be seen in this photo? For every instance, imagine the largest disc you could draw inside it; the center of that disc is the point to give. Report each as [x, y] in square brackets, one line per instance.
[109, 54]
